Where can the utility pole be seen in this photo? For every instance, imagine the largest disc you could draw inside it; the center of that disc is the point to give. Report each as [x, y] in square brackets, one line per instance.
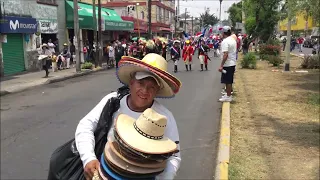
[149, 19]
[175, 22]
[185, 20]
[99, 40]
[220, 11]
[287, 50]
[192, 26]
[95, 32]
[77, 34]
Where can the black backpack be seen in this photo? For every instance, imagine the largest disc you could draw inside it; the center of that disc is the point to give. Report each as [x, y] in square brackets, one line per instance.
[65, 162]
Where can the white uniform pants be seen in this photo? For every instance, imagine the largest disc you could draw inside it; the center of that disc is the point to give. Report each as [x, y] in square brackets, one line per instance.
[68, 62]
[201, 58]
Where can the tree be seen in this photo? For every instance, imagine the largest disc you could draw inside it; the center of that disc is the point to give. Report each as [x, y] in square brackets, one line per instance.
[208, 19]
[235, 13]
[262, 16]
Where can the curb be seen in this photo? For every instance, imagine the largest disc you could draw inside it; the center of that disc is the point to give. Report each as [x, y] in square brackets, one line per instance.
[296, 55]
[222, 166]
[54, 80]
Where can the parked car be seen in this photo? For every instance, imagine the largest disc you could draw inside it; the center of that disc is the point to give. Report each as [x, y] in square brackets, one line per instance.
[308, 43]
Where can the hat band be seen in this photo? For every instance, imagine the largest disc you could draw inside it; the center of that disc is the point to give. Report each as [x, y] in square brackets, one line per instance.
[146, 135]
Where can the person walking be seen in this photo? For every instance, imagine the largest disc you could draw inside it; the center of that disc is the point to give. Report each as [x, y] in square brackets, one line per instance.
[45, 57]
[175, 54]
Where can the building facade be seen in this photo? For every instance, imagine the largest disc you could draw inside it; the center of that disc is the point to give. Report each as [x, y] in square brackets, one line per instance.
[298, 24]
[162, 14]
[25, 25]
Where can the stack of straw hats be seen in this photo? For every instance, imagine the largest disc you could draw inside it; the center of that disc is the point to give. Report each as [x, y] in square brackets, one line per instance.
[140, 149]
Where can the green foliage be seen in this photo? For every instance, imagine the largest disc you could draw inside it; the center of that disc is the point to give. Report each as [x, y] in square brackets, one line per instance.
[249, 61]
[269, 49]
[208, 19]
[235, 13]
[87, 65]
[274, 60]
[261, 18]
[311, 62]
[314, 99]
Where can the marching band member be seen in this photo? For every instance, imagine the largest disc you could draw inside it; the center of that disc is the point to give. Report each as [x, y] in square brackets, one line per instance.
[175, 54]
[187, 54]
[203, 55]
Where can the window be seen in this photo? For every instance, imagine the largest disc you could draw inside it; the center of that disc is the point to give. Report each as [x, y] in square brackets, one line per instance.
[47, 1]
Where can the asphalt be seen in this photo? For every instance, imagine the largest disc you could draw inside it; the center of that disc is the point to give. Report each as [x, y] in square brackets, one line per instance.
[37, 121]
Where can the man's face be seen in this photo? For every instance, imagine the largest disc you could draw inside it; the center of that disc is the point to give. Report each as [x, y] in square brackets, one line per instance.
[143, 91]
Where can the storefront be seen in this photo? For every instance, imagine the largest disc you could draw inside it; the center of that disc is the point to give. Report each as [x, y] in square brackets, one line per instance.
[15, 31]
[110, 20]
[48, 29]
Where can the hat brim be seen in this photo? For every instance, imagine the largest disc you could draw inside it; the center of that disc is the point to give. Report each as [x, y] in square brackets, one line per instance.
[168, 89]
[131, 59]
[116, 161]
[127, 132]
[115, 149]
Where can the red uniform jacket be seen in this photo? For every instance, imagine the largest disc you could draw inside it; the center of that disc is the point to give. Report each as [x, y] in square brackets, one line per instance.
[187, 52]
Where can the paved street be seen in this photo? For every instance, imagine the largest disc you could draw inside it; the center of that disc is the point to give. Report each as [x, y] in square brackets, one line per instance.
[305, 50]
[35, 122]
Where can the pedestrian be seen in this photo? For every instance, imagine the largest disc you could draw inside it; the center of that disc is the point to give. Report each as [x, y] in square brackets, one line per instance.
[228, 64]
[175, 54]
[245, 44]
[111, 55]
[51, 46]
[119, 52]
[66, 54]
[187, 54]
[300, 43]
[284, 41]
[146, 80]
[46, 59]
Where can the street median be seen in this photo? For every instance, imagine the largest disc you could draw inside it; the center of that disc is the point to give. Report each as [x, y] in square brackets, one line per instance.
[222, 166]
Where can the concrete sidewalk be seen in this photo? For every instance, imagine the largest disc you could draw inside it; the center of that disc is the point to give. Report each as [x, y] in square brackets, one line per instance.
[18, 83]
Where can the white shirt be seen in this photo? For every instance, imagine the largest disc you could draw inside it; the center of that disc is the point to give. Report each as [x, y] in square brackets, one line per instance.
[51, 47]
[111, 51]
[229, 45]
[84, 135]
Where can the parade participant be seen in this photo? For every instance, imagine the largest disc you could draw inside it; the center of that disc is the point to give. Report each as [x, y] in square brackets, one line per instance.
[164, 50]
[187, 54]
[158, 44]
[133, 51]
[203, 55]
[150, 47]
[175, 54]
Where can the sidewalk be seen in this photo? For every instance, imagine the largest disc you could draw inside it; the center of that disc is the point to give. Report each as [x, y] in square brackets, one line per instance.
[18, 83]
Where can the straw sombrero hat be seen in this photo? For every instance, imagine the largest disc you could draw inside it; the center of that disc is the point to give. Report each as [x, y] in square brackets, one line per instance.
[153, 64]
[121, 154]
[146, 134]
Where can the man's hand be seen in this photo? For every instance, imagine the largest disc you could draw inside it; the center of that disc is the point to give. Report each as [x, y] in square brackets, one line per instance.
[90, 168]
[220, 69]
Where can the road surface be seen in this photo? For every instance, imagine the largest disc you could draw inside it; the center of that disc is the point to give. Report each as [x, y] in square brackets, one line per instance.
[35, 122]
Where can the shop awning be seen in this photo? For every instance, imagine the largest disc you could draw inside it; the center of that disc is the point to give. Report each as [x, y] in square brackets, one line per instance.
[110, 19]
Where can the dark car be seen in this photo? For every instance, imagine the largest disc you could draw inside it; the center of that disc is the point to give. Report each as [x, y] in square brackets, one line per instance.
[308, 43]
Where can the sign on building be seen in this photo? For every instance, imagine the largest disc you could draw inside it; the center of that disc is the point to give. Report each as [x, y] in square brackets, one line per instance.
[10, 24]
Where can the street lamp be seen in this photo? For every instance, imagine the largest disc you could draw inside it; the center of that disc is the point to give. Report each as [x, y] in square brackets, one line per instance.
[138, 19]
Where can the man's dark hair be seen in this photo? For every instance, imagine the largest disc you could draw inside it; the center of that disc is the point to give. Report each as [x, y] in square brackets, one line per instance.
[228, 33]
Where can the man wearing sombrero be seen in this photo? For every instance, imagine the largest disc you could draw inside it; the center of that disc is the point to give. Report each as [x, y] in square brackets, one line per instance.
[147, 79]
